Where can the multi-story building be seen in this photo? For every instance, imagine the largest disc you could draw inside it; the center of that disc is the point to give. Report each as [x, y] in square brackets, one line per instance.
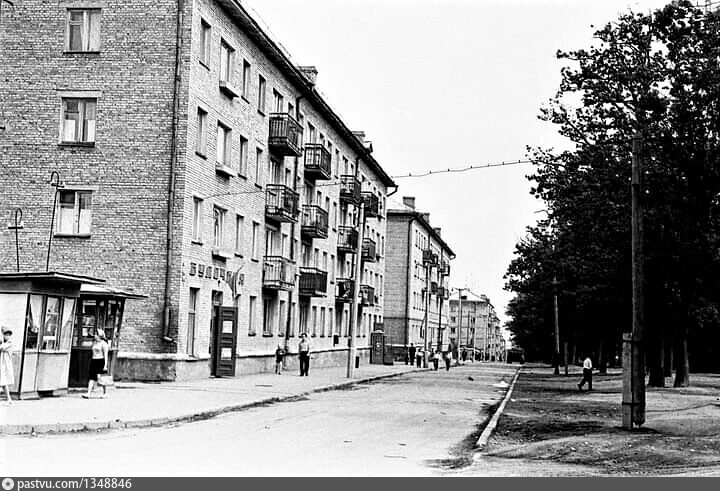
[475, 325]
[417, 271]
[199, 167]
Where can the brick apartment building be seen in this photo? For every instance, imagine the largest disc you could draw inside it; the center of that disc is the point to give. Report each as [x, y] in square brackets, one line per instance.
[474, 324]
[201, 168]
[417, 266]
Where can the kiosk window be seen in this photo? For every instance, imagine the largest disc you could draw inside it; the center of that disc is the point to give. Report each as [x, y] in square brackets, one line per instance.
[34, 321]
[51, 325]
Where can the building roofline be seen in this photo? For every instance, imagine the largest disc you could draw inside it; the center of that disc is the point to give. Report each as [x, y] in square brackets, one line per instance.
[419, 217]
[304, 86]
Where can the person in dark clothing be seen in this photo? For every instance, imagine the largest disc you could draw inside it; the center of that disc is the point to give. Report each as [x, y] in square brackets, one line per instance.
[587, 374]
[435, 360]
[279, 356]
[464, 355]
[411, 353]
[418, 358]
[304, 355]
[447, 357]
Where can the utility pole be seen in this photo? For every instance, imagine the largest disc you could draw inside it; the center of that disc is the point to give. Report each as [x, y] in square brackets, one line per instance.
[355, 293]
[427, 308]
[556, 360]
[633, 404]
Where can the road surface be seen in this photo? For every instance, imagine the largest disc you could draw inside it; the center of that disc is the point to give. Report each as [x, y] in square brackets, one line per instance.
[424, 423]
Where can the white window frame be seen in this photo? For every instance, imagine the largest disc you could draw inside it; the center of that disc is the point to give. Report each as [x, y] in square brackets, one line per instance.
[227, 62]
[247, 73]
[197, 217]
[76, 231]
[262, 93]
[85, 34]
[219, 215]
[239, 226]
[201, 132]
[205, 39]
[83, 98]
[226, 141]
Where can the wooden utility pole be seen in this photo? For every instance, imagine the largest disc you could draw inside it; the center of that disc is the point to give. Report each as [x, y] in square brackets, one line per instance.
[633, 405]
[426, 320]
[355, 293]
[556, 361]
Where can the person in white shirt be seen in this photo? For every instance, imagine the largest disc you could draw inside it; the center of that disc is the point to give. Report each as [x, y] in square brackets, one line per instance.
[587, 374]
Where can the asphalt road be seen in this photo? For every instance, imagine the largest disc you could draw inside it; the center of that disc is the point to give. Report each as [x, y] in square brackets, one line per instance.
[420, 424]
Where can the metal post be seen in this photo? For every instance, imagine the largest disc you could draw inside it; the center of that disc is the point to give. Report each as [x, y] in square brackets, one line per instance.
[355, 293]
[18, 226]
[633, 405]
[556, 360]
[459, 333]
[425, 320]
[57, 185]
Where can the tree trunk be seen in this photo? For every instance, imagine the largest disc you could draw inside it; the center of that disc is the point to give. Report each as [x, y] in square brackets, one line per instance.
[655, 358]
[602, 358]
[668, 354]
[682, 365]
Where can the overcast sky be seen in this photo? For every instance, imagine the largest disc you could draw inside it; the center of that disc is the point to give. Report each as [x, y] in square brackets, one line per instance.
[438, 84]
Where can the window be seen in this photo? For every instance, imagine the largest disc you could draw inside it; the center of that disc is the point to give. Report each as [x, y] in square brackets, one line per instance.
[239, 224]
[83, 30]
[201, 138]
[252, 321]
[258, 165]
[282, 318]
[332, 268]
[75, 214]
[255, 232]
[246, 79]
[261, 94]
[218, 227]
[197, 220]
[267, 316]
[78, 120]
[223, 144]
[226, 62]
[278, 101]
[314, 321]
[192, 307]
[292, 319]
[311, 133]
[335, 214]
[243, 155]
[205, 39]
[322, 321]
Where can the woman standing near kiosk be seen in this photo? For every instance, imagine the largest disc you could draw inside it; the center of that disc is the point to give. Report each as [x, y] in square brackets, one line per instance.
[98, 363]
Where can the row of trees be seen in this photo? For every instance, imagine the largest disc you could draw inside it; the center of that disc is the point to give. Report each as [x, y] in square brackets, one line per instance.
[655, 76]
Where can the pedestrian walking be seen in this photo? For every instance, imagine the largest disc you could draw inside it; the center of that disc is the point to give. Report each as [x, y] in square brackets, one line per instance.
[448, 358]
[7, 375]
[587, 374]
[279, 357]
[435, 359]
[419, 357]
[464, 355]
[304, 355]
[411, 353]
[98, 363]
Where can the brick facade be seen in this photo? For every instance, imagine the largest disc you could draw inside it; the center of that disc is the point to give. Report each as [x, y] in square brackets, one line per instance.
[128, 168]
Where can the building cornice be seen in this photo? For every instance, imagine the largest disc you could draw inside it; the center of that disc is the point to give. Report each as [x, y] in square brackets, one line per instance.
[425, 224]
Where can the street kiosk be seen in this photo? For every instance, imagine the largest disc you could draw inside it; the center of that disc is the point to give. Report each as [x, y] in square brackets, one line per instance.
[39, 309]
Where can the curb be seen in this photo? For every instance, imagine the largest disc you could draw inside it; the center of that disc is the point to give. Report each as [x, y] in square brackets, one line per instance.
[490, 427]
[96, 426]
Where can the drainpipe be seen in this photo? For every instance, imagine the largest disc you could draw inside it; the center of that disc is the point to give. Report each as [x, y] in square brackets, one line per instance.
[173, 163]
[409, 286]
[288, 321]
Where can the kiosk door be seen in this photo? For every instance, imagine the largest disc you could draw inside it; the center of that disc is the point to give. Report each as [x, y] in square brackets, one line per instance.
[225, 340]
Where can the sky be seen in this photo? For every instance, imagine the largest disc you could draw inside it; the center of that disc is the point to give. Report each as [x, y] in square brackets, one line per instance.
[439, 84]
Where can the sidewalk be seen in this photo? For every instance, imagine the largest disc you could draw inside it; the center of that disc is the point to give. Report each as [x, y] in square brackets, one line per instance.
[135, 405]
[558, 431]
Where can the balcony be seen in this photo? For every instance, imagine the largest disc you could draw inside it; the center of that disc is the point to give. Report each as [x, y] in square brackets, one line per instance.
[372, 205]
[349, 189]
[314, 222]
[285, 135]
[344, 290]
[433, 288]
[445, 268]
[278, 273]
[430, 258]
[281, 203]
[443, 292]
[313, 282]
[347, 239]
[369, 250]
[367, 295]
[318, 164]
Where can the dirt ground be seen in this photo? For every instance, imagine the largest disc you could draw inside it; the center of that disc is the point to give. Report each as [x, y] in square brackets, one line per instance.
[550, 428]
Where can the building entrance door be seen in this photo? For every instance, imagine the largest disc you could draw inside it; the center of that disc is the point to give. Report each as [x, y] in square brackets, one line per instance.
[224, 341]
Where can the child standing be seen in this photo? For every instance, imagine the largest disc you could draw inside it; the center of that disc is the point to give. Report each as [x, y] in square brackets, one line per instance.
[279, 356]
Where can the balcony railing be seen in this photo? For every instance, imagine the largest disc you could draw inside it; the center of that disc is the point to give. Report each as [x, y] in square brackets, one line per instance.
[349, 189]
[445, 268]
[313, 282]
[281, 203]
[367, 295]
[369, 250]
[318, 163]
[372, 204]
[344, 291]
[285, 135]
[347, 239]
[430, 258]
[278, 273]
[314, 223]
